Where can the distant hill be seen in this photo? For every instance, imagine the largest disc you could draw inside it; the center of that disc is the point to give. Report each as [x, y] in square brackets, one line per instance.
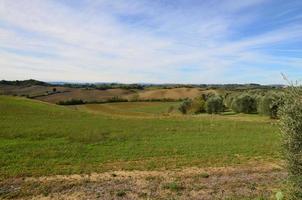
[27, 83]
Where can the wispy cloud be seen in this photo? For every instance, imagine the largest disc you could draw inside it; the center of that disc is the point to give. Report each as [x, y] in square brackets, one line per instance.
[150, 41]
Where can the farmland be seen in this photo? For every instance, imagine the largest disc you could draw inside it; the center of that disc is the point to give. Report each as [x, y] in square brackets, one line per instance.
[42, 139]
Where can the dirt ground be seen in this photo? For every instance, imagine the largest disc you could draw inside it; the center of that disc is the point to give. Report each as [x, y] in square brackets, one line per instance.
[244, 182]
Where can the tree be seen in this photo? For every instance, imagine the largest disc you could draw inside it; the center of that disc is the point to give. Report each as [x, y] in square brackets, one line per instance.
[244, 103]
[269, 104]
[185, 106]
[214, 104]
[290, 114]
[198, 105]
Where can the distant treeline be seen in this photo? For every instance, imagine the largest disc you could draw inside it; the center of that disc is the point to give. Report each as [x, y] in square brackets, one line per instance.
[141, 86]
[29, 82]
[249, 101]
[113, 100]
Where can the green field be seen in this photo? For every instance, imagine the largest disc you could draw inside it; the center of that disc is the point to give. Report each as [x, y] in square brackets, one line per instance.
[41, 139]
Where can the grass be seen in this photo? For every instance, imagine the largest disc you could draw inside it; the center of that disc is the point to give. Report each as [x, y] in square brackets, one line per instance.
[139, 109]
[173, 186]
[43, 139]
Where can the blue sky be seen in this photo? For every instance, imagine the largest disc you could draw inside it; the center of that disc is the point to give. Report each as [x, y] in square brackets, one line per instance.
[158, 41]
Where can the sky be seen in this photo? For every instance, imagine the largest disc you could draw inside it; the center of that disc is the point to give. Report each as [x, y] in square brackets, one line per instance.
[151, 41]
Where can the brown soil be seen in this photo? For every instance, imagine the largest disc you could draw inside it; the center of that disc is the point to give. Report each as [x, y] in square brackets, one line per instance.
[86, 95]
[189, 183]
[175, 93]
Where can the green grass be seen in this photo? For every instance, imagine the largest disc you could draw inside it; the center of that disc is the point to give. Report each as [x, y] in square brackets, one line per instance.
[42, 139]
[139, 109]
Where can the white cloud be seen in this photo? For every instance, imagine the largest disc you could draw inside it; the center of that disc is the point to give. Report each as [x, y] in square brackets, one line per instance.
[49, 40]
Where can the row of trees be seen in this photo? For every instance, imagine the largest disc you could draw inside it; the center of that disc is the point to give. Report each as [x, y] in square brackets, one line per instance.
[287, 106]
[266, 104]
[205, 103]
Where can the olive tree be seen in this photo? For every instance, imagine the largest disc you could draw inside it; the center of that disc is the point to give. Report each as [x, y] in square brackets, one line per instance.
[244, 103]
[185, 106]
[214, 104]
[198, 105]
[269, 104]
[290, 114]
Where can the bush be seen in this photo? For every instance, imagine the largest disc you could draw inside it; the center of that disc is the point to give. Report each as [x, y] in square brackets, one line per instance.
[116, 99]
[185, 106]
[72, 102]
[229, 97]
[269, 104]
[214, 104]
[198, 105]
[291, 127]
[244, 103]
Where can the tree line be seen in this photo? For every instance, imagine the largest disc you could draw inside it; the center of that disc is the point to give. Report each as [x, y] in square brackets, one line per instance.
[265, 103]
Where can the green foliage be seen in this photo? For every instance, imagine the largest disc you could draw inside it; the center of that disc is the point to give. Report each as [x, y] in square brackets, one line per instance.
[71, 102]
[214, 105]
[115, 99]
[229, 98]
[27, 83]
[185, 106]
[195, 106]
[279, 196]
[269, 104]
[204, 175]
[121, 193]
[198, 105]
[173, 186]
[244, 103]
[291, 127]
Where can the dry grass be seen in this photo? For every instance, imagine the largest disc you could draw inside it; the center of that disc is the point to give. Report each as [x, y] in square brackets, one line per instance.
[86, 95]
[248, 182]
[175, 93]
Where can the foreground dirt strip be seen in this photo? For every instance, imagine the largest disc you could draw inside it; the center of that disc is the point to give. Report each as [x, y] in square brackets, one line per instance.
[190, 183]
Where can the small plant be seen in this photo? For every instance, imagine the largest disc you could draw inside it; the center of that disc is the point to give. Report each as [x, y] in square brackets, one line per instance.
[204, 175]
[279, 196]
[121, 193]
[173, 186]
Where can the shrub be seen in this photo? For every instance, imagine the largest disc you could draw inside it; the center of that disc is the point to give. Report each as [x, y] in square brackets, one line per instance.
[173, 186]
[116, 99]
[72, 102]
[229, 99]
[269, 104]
[244, 103]
[198, 105]
[185, 106]
[291, 127]
[214, 104]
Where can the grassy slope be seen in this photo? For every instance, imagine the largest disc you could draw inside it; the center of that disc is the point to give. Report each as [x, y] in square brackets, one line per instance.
[40, 139]
[138, 109]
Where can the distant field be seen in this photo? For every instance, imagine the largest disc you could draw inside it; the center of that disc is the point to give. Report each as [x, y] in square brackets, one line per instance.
[41, 139]
[133, 109]
[45, 93]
